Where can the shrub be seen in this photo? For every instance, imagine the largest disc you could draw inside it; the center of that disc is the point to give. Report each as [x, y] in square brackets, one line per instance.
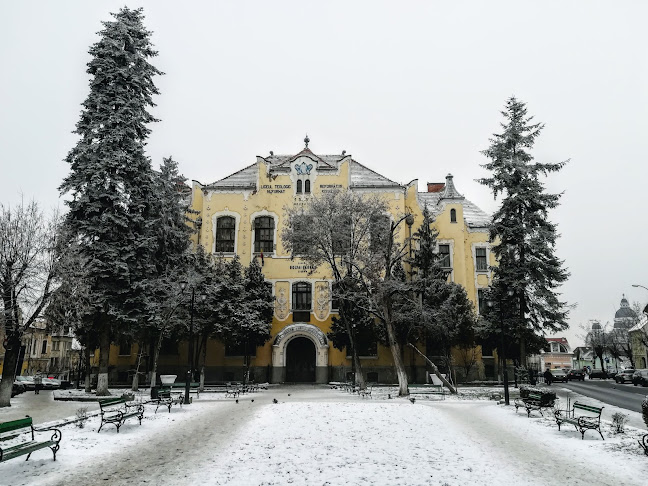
[82, 416]
[618, 422]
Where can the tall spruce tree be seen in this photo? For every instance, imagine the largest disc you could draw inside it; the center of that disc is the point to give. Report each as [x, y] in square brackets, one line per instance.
[111, 180]
[528, 273]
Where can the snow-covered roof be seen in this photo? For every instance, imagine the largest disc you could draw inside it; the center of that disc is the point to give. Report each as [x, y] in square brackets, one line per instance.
[474, 217]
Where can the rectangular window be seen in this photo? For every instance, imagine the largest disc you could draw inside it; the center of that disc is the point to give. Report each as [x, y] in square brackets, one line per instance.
[444, 256]
[486, 350]
[481, 263]
[169, 346]
[379, 233]
[341, 237]
[481, 302]
[124, 347]
[335, 301]
[225, 229]
[264, 235]
[302, 295]
[302, 226]
[44, 350]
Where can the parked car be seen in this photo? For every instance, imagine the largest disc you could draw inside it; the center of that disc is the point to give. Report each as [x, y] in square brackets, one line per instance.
[640, 377]
[16, 389]
[624, 375]
[612, 374]
[27, 381]
[576, 375]
[51, 384]
[598, 374]
[559, 375]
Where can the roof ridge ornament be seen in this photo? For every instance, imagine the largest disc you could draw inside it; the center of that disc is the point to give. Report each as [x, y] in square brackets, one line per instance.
[450, 191]
[306, 140]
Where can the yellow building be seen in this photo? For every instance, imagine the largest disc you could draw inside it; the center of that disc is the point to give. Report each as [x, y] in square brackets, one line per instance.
[243, 214]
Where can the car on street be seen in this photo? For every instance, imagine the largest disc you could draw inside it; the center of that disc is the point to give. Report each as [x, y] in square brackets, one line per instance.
[27, 381]
[640, 377]
[598, 374]
[559, 375]
[51, 384]
[624, 376]
[576, 375]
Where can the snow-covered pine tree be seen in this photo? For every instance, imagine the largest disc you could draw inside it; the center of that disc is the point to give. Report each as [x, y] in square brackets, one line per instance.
[524, 237]
[111, 181]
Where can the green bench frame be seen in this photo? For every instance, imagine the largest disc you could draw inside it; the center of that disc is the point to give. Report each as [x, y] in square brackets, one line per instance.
[15, 428]
[581, 422]
[533, 402]
[116, 410]
[168, 400]
[644, 443]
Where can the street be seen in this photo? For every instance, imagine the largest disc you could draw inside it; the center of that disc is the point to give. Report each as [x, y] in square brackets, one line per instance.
[620, 395]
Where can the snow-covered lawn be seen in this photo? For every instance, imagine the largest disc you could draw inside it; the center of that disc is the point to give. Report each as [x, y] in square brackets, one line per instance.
[328, 437]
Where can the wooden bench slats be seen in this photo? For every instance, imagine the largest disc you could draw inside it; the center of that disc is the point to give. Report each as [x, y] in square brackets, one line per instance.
[533, 401]
[117, 417]
[581, 422]
[15, 428]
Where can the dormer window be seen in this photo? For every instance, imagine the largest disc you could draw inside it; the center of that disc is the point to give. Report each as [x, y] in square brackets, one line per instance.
[453, 215]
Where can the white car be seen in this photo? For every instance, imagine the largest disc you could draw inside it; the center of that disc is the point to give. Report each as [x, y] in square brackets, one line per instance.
[27, 381]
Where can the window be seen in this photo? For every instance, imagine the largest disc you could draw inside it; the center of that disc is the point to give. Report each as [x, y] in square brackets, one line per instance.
[335, 301]
[444, 256]
[307, 186]
[124, 346]
[366, 343]
[302, 226]
[380, 227]
[302, 295]
[486, 350]
[341, 239]
[453, 215]
[44, 350]
[169, 346]
[299, 186]
[481, 302]
[225, 228]
[481, 263]
[372, 377]
[264, 234]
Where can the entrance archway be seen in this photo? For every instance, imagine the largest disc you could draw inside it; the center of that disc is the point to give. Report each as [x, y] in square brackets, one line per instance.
[300, 361]
[290, 351]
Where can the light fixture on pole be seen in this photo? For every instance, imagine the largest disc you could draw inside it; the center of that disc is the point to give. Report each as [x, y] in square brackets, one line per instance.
[189, 378]
[501, 351]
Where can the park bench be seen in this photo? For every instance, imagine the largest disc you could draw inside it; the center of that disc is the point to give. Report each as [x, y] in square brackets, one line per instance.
[193, 387]
[644, 443]
[366, 392]
[168, 399]
[16, 428]
[428, 389]
[227, 388]
[116, 411]
[534, 401]
[583, 417]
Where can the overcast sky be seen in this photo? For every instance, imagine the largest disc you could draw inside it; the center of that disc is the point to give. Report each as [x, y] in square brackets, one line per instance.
[411, 89]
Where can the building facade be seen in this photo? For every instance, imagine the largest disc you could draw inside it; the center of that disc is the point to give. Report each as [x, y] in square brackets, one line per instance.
[243, 214]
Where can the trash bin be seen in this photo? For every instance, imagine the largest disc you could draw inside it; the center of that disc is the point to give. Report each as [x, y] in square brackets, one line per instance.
[154, 392]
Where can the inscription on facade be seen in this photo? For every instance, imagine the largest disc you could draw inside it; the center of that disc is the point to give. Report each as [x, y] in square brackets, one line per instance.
[303, 268]
[330, 187]
[276, 188]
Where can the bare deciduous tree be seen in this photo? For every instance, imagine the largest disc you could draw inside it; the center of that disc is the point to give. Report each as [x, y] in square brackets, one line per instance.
[27, 264]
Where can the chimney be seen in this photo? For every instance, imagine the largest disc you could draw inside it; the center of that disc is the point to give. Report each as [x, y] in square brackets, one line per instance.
[435, 186]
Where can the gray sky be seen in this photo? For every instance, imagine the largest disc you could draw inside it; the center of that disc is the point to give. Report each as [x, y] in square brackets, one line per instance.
[411, 89]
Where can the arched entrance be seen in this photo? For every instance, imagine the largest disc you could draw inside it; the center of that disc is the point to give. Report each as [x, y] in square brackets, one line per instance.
[300, 361]
[300, 355]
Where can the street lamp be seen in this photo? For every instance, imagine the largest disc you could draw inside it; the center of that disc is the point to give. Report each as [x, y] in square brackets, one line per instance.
[637, 285]
[490, 304]
[183, 286]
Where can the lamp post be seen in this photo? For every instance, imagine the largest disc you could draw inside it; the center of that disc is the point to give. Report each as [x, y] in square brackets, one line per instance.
[183, 286]
[637, 285]
[501, 351]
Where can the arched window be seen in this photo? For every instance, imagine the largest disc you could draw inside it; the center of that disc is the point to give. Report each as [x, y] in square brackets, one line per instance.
[225, 228]
[264, 234]
[307, 186]
[302, 297]
[453, 215]
[299, 186]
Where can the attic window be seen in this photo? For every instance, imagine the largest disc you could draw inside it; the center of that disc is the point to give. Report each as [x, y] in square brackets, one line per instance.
[306, 186]
[299, 186]
[453, 215]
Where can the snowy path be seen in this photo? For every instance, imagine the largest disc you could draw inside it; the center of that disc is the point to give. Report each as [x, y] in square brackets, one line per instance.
[326, 437]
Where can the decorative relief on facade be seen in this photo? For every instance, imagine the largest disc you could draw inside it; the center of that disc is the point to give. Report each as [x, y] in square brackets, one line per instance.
[281, 303]
[322, 300]
[296, 329]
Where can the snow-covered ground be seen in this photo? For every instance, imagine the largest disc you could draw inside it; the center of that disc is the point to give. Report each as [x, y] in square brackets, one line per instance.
[321, 436]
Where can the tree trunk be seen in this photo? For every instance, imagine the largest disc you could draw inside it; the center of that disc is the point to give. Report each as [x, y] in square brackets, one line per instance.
[135, 385]
[88, 368]
[104, 355]
[156, 355]
[359, 375]
[435, 370]
[202, 368]
[9, 368]
[403, 389]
